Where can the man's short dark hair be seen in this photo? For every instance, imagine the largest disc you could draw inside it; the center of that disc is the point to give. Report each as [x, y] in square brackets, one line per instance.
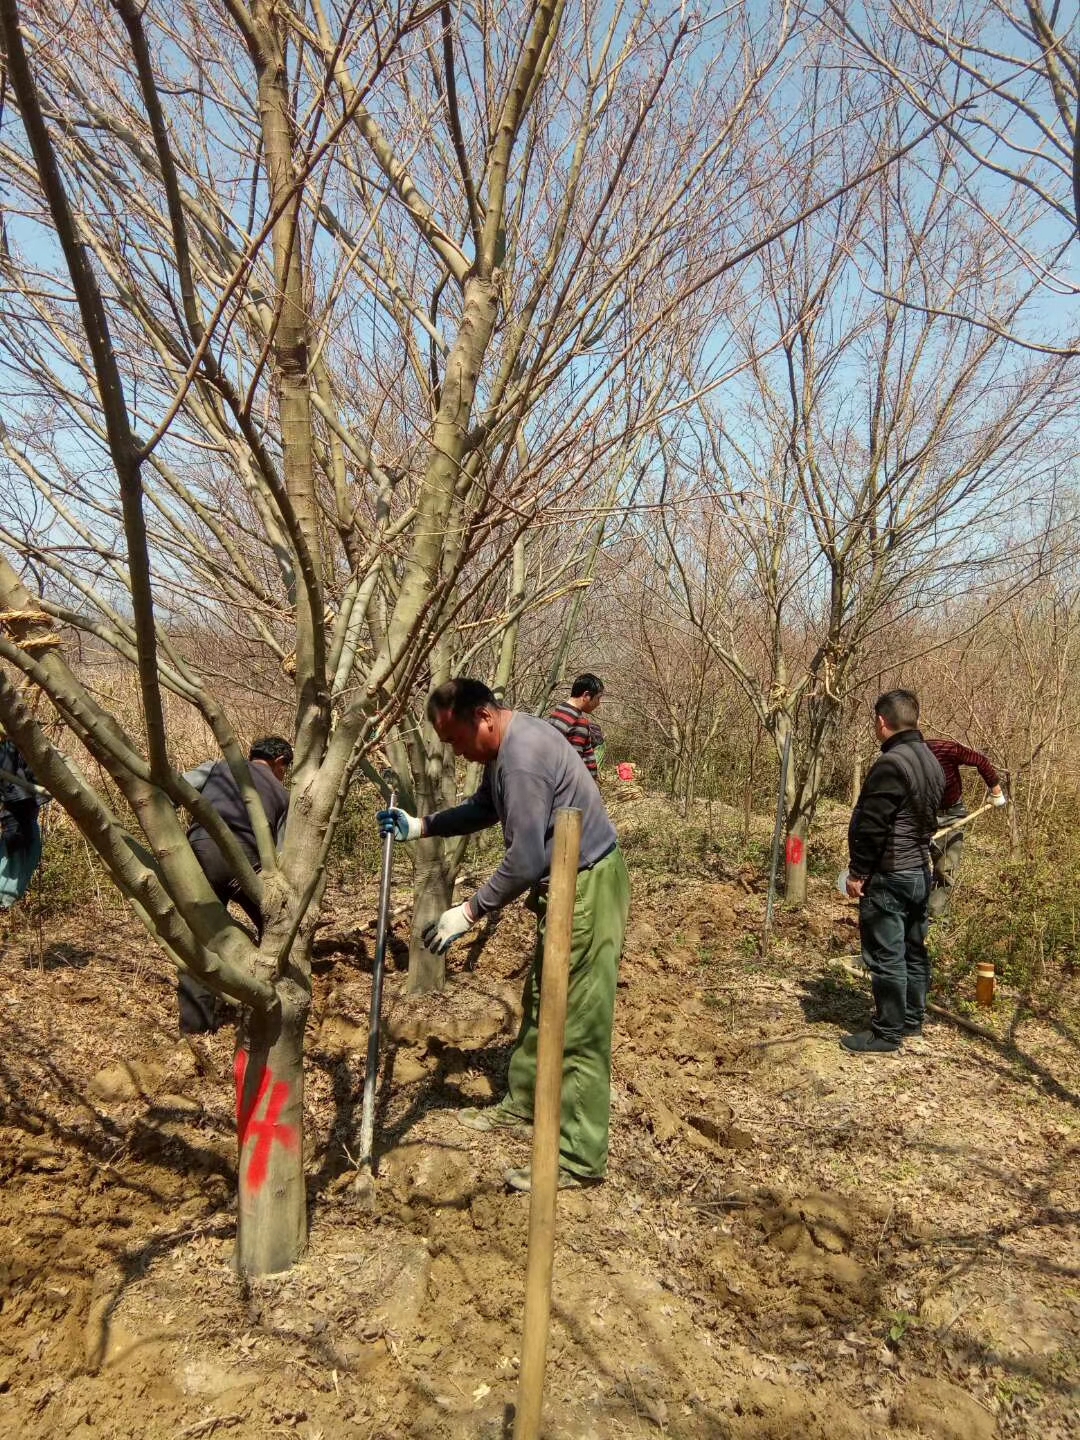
[272, 748]
[587, 684]
[460, 699]
[898, 708]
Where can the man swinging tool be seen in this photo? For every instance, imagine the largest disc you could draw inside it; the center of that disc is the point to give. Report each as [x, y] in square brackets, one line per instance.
[947, 852]
[529, 773]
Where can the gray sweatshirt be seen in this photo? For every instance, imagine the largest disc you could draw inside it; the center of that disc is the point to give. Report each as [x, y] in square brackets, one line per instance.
[534, 774]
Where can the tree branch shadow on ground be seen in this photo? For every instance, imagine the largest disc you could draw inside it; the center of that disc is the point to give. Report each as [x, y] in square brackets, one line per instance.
[60, 957]
[435, 1092]
[104, 1136]
[838, 997]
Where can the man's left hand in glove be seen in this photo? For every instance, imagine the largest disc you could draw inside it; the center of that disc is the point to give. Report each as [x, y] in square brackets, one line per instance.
[450, 926]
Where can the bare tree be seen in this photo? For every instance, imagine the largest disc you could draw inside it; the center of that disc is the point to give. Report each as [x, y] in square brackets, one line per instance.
[1008, 688]
[876, 464]
[1003, 77]
[176, 317]
[312, 316]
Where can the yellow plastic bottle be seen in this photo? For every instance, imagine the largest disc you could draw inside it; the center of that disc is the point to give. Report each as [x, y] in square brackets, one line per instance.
[985, 983]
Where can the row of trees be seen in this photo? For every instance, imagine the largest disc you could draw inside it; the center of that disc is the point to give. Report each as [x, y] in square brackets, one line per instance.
[351, 347]
[996, 671]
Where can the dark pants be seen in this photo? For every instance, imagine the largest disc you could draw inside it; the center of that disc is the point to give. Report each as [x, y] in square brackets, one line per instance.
[946, 856]
[893, 925]
[200, 1009]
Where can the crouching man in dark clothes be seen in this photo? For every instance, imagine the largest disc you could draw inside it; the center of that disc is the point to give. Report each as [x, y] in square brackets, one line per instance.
[889, 845]
[269, 760]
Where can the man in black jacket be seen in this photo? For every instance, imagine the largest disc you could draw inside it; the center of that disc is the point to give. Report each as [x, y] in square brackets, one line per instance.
[889, 845]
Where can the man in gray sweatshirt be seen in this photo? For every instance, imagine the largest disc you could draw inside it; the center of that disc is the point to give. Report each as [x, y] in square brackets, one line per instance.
[529, 773]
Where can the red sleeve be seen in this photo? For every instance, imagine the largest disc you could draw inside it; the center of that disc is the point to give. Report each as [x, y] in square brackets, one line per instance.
[964, 756]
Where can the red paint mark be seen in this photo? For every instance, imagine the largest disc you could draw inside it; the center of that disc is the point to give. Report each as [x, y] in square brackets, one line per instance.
[268, 1129]
[795, 850]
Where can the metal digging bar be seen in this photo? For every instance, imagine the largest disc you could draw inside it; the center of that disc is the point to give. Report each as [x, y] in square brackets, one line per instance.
[367, 1115]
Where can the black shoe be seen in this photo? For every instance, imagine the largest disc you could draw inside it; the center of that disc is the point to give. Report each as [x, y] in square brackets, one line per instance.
[912, 1032]
[865, 1042]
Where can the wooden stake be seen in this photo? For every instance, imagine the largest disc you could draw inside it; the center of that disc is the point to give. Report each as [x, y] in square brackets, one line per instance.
[546, 1123]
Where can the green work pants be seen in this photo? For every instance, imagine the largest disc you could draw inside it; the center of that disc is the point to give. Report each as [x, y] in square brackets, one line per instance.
[600, 910]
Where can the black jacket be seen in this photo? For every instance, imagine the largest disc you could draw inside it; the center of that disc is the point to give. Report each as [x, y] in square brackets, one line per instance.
[223, 793]
[896, 812]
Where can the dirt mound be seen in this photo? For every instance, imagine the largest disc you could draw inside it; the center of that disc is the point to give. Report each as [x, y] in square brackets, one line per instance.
[817, 1232]
[943, 1412]
[470, 1018]
[812, 1222]
[792, 1064]
[767, 1411]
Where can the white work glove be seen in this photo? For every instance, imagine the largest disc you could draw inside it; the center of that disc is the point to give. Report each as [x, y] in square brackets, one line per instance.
[1000, 798]
[400, 824]
[450, 926]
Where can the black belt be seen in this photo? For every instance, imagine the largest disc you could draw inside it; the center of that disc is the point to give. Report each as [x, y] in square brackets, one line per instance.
[542, 885]
[593, 863]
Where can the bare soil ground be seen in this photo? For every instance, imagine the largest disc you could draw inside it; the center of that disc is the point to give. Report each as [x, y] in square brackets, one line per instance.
[792, 1242]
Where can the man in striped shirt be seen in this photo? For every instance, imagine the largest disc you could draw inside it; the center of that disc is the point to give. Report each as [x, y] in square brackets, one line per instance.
[571, 719]
[947, 853]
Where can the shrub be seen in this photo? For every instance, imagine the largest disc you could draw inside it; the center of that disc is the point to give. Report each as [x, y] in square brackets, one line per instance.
[1021, 911]
[69, 878]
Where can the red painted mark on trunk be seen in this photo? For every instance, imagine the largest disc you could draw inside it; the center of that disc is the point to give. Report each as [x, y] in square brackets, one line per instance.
[795, 850]
[268, 1129]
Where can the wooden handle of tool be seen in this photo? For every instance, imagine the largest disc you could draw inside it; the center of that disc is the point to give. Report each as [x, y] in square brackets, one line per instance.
[964, 820]
[546, 1122]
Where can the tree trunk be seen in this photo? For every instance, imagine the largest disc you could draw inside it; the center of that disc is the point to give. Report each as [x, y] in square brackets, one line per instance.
[433, 887]
[271, 1228]
[856, 776]
[795, 853]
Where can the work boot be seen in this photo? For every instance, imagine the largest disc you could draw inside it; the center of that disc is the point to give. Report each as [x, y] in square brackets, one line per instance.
[521, 1179]
[912, 1032]
[494, 1117]
[865, 1042]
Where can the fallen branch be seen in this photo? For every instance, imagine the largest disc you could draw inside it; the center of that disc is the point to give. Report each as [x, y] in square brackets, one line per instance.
[968, 1025]
[208, 1426]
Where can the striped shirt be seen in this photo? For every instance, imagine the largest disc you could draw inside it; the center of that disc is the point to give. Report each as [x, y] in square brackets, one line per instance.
[575, 725]
[950, 757]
